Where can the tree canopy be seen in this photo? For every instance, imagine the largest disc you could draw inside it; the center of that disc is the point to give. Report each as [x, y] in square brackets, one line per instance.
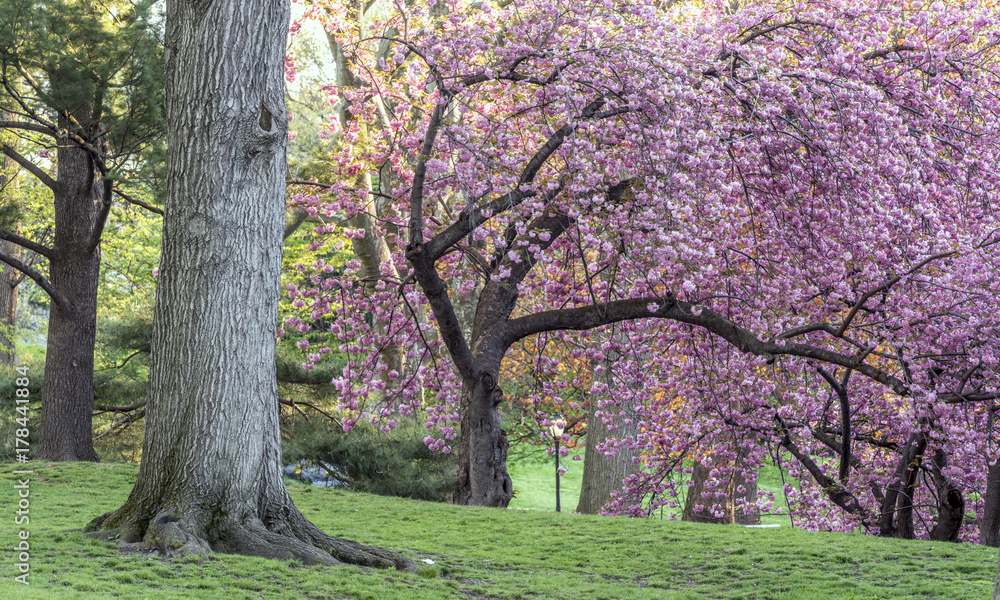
[784, 212]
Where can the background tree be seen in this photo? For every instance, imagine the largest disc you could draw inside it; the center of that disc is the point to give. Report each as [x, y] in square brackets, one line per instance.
[82, 79]
[210, 475]
[785, 191]
[10, 278]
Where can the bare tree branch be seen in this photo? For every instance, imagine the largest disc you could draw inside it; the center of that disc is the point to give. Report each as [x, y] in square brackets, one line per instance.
[100, 408]
[28, 127]
[61, 301]
[668, 307]
[27, 244]
[122, 423]
[30, 167]
[137, 202]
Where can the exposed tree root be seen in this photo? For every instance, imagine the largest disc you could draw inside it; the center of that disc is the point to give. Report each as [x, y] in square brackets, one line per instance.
[292, 538]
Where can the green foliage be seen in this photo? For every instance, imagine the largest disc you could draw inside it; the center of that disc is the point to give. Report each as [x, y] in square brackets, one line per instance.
[10, 215]
[130, 249]
[100, 62]
[35, 364]
[393, 464]
[481, 553]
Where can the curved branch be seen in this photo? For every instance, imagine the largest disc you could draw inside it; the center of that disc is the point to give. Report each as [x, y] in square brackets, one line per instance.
[61, 301]
[436, 291]
[136, 202]
[845, 421]
[835, 490]
[668, 307]
[28, 127]
[27, 244]
[30, 167]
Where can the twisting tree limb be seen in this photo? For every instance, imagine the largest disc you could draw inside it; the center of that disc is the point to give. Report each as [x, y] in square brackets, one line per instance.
[137, 202]
[28, 127]
[61, 301]
[30, 167]
[27, 244]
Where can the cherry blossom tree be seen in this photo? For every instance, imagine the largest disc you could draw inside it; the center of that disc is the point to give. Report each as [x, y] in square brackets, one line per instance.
[781, 215]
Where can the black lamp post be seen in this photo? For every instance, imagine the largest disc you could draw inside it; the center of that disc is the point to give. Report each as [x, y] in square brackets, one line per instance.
[556, 429]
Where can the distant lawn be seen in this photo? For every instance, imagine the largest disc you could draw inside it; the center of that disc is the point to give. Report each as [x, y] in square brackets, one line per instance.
[535, 484]
[479, 554]
[535, 488]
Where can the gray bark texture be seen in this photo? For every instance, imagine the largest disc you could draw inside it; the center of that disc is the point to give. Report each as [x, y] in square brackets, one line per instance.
[210, 477]
[603, 474]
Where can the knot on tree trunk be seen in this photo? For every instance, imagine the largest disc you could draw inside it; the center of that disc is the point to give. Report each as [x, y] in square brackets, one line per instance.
[489, 381]
[414, 251]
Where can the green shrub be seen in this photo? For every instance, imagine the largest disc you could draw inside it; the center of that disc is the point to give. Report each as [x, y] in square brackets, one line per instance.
[390, 464]
[8, 400]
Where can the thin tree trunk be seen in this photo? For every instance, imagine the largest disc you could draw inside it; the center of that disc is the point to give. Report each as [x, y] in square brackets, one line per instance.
[730, 490]
[9, 277]
[9, 280]
[896, 519]
[68, 389]
[210, 477]
[989, 530]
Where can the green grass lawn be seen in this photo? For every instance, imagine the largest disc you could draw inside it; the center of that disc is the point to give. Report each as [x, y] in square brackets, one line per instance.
[535, 484]
[479, 554]
[535, 489]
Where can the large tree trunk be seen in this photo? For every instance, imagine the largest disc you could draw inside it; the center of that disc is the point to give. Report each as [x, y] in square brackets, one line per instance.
[68, 388]
[210, 476]
[482, 478]
[482, 455]
[603, 474]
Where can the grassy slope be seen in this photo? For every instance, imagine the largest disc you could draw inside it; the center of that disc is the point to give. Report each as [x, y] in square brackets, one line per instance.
[480, 554]
[535, 489]
[535, 485]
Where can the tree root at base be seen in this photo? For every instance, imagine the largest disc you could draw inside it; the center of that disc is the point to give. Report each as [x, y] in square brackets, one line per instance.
[295, 539]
